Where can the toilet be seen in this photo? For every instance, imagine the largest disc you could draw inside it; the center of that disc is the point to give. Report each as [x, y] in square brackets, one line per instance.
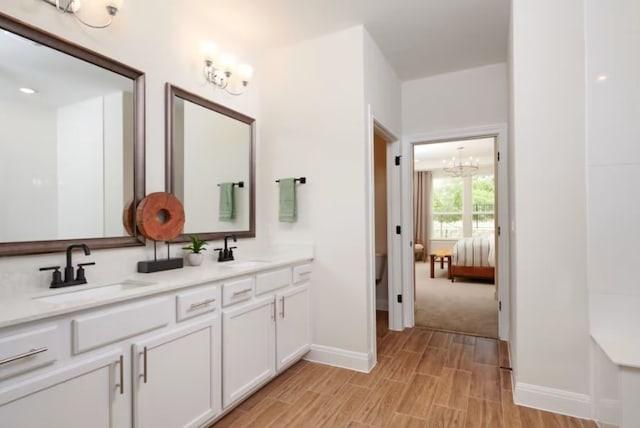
[381, 265]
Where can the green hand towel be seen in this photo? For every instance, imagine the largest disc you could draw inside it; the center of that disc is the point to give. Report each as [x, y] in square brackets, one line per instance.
[227, 209]
[288, 211]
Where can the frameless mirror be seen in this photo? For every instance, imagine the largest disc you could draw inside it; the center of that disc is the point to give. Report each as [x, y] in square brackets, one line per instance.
[209, 148]
[72, 150]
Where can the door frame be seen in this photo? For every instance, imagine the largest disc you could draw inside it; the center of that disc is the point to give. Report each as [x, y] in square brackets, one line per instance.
[394, 242]
[499, 131]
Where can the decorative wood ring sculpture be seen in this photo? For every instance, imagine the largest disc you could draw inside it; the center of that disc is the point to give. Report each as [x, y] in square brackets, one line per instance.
[160, 216]
[129, 218]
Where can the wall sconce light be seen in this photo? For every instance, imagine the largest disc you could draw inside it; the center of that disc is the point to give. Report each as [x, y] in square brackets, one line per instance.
[73, 6]
[223, 72]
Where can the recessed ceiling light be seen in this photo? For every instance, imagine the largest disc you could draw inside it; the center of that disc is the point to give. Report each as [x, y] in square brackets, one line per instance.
[602, 77]
[28, 91]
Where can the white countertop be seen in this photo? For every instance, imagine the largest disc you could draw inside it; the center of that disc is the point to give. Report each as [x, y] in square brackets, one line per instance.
[24, 308]
[615, 326]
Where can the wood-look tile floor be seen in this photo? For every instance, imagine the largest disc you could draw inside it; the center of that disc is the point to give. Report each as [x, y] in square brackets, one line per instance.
[424, 378]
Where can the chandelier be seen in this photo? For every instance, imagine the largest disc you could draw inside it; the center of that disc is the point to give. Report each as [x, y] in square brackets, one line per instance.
[456, 167]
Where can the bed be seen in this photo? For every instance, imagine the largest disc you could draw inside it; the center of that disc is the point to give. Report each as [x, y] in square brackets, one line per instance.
[473, 258]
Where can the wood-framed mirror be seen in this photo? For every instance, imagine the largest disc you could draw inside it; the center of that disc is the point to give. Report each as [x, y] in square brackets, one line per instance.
[73, 143]
[209, 147]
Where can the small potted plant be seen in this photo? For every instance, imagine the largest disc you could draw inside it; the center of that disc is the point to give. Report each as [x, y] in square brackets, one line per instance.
[196, 247]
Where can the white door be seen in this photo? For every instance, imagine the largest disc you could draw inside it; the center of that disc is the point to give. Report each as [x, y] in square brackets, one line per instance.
[78, 396]
[293, 336]
[248, 348]
[177, 377]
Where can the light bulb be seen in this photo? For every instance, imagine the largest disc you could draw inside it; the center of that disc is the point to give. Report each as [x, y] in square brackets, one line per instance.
[227, 62]
[209, 50]
[245, 72]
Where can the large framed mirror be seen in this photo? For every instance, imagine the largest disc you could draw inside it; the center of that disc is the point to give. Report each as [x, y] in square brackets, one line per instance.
[210, 149]
[72, 144]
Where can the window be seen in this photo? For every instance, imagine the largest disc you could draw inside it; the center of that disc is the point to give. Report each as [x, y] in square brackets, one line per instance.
[482, 200]
[451, 219]
[447, 208]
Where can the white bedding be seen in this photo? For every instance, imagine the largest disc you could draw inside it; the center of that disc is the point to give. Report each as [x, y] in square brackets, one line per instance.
[474, 252]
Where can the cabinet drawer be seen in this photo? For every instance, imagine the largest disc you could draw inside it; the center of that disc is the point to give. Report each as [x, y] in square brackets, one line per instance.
[266, 282]
[29, 349]
[301, 273]
[237, 291]
[197, 302]
[108, 326]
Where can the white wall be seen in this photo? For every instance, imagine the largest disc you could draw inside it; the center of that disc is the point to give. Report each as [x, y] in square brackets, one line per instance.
[317, 125]
[613, 210]
[462, 99]
[313, 127]
[164, 42]
[381, 88]
[549, 192]
[31, 173]
[613, 163]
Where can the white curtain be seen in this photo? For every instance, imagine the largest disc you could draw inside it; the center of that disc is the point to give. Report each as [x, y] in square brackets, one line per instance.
[422, 210]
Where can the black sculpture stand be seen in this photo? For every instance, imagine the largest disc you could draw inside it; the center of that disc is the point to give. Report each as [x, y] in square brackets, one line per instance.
[155, 265]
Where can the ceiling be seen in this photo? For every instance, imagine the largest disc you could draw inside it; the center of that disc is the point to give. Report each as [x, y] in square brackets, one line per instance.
[418, 37]
[432, 156]
[58, 79]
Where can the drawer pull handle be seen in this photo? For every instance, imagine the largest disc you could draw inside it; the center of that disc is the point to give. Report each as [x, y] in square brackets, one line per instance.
[121, 384]
[144, 365]
[243, 291]
[201, 304]
[282, 307]
[24, 355]
[304, 273]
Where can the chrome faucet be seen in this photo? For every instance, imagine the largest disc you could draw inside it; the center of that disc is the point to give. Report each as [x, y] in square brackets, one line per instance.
[226, 254]
[57, 282]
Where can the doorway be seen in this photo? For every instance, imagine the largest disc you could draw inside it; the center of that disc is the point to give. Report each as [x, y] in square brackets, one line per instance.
[385, 209]
[455, 224]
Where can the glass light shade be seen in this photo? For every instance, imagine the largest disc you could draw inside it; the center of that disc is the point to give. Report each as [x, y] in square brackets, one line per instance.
[227, 62]
[209, 50]
[245, 72]
[115, 3]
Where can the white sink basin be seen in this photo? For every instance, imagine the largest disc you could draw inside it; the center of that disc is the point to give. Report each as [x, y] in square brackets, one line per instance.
[90, 293]
[247, 264]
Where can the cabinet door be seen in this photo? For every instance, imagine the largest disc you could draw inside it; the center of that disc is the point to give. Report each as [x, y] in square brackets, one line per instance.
[177, 376]
[81, 395]
[293, 326]
[248, 354]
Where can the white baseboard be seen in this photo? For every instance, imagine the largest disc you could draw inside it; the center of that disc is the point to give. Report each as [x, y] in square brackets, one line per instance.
[553, 400]
[382, 305]
[358, 361]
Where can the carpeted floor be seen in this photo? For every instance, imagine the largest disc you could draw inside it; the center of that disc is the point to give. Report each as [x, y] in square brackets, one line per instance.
[462, 306]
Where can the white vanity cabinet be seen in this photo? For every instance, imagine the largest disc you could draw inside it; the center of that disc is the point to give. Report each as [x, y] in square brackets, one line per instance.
[154, 362]
[248, 348]
[177, 376]
[173, 359]
[79, 395]
[265, 334]
[293, 326]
